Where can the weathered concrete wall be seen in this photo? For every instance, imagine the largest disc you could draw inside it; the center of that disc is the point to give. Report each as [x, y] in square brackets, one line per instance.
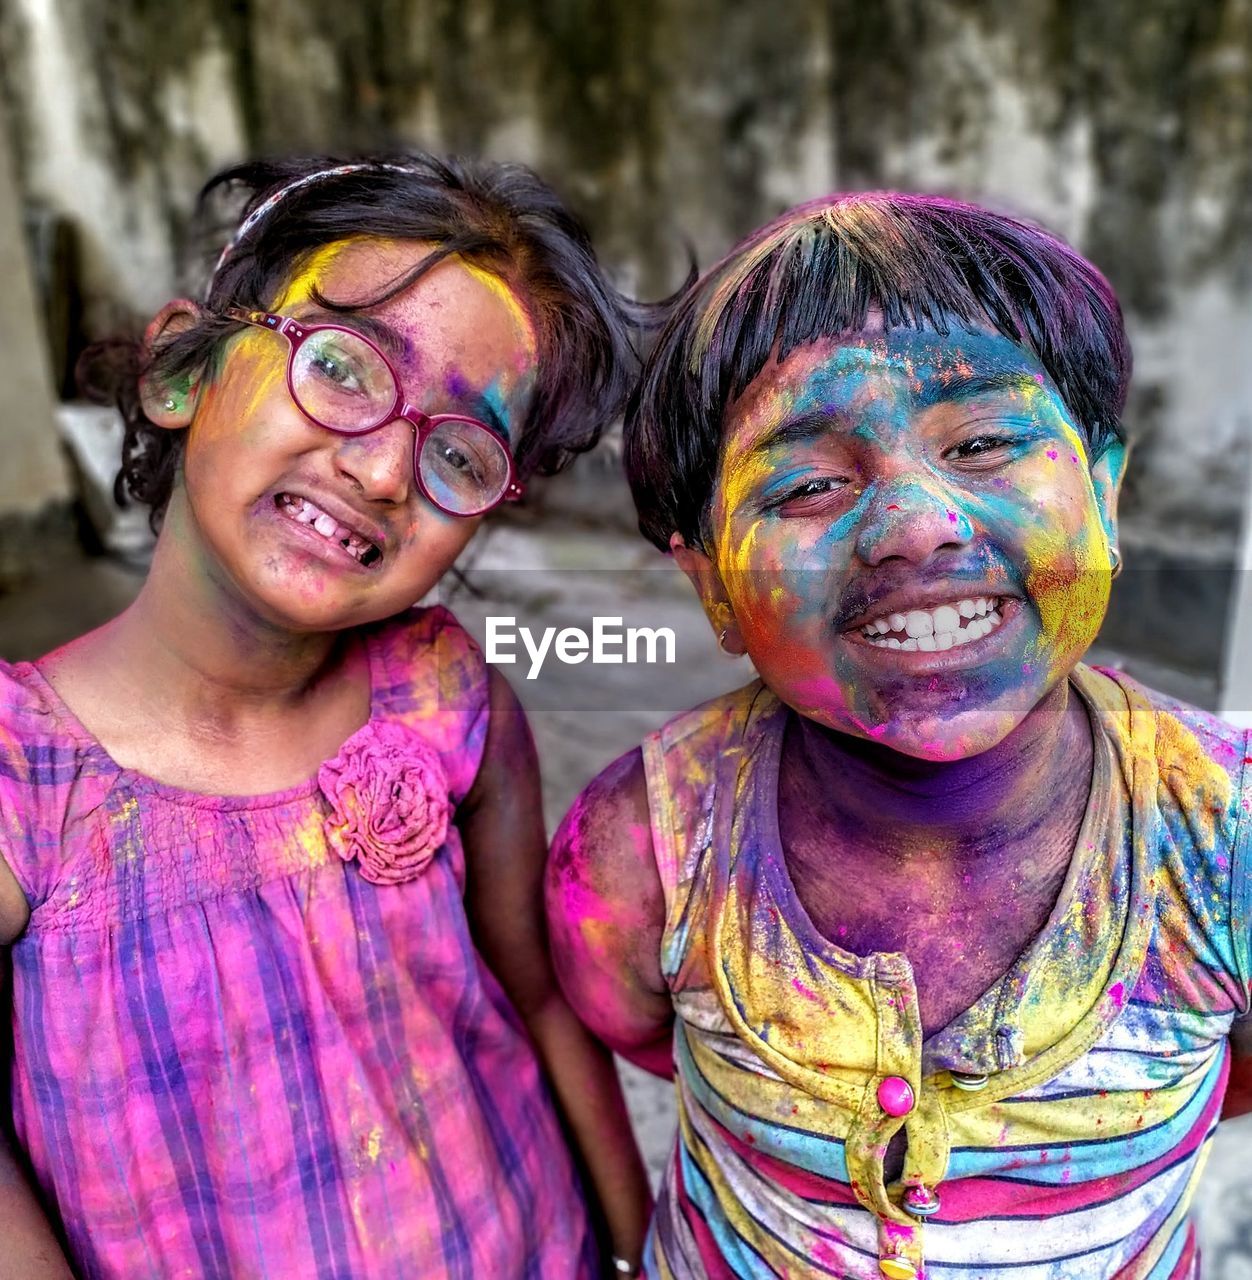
[33, 480]
[1125, 124]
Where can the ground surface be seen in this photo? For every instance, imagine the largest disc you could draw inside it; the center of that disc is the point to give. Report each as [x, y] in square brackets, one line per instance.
[584, 716]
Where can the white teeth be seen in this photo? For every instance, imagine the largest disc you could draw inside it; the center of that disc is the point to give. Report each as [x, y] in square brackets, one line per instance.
[917, 623]
[946, 618]
[304, 512]
[936, 631]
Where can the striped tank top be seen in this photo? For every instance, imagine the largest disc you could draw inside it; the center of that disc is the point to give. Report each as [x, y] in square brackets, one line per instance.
[1056, 1130]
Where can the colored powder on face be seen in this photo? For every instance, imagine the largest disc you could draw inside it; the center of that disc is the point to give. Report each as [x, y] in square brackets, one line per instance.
[500, 290]
[311, 273]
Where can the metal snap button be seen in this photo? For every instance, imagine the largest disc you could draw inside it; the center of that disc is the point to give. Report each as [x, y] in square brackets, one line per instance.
[921, 1201]
[968, 1081]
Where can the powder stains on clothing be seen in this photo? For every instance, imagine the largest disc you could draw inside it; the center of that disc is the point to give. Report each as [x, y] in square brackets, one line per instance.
[1104, 1046]
[234, 1055]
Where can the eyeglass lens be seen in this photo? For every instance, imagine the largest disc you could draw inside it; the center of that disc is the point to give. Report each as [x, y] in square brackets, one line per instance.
[343, 383]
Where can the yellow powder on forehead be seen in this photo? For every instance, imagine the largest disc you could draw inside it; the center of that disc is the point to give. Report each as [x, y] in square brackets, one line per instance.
[311, 272]
[499, 289]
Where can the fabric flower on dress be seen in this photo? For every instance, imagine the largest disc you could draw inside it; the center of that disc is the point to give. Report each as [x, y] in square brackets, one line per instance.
[388, 795]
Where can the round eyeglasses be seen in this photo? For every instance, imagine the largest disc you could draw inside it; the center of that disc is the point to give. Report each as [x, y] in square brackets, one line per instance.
[340, 380]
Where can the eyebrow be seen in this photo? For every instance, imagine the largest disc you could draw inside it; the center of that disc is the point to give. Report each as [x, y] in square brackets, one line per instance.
[807, 427]
[801, 429]
[378, 331]
[482, 409]
[393, 343]
[967, 386]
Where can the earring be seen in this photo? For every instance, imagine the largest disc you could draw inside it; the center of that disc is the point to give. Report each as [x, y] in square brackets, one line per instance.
[171, 404]
[721, 644]
[1116, 557]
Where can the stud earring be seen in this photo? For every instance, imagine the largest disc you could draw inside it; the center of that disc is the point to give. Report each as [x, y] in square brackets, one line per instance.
[171, 404]
[721, 644]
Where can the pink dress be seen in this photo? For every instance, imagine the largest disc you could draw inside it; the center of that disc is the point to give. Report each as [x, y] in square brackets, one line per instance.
[252, 1035]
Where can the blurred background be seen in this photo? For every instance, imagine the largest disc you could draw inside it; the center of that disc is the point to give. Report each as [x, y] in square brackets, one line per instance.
[673, 126]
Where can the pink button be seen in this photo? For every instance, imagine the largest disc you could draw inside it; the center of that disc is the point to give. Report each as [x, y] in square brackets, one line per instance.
[895, 1096]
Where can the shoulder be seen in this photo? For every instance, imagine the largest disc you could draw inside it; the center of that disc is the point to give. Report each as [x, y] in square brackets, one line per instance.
[711, 724]
[632, 790]
[1203, 763]
[428, 672]
[606, 911]
[40, 763]
[602, 851]
[424, 645]
[622, 828]
[611, 810]
[27, 706]
[36, 746]
[1187, 738]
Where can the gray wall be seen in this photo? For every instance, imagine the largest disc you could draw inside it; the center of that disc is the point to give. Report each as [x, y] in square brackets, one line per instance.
[1126, 125]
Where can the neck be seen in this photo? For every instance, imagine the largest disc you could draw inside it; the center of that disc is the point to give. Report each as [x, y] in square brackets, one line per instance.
[960, 808]
[200, 649]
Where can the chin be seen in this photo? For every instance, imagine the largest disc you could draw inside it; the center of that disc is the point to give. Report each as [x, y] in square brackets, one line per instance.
[935, 733]
[941, 742]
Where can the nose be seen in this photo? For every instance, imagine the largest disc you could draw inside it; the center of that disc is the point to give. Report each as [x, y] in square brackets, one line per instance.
[380, 462]
[911, 519]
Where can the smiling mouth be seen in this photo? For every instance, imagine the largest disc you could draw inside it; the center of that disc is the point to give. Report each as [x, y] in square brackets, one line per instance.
[302, 511]
[946, 626]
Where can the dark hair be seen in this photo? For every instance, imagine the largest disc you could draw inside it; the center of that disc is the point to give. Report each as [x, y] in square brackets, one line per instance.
[501, 217]
[815, 272]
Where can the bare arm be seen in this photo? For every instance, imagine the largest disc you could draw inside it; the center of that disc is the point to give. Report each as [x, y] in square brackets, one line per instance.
[505, 848]
[30, 1250]
[606, 913]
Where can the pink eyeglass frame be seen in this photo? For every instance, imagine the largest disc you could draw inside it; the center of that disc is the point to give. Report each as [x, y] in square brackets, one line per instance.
[422, 423]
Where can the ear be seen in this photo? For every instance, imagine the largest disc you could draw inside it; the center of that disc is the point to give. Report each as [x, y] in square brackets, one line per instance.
[1107, 472]
[703, 575]
[170, 404]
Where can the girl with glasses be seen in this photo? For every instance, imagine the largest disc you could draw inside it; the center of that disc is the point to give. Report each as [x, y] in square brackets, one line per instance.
[271, 840]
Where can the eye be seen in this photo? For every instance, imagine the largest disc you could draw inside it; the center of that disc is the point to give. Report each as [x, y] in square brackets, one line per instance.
[809, 496]
[984, 450]
[337, 368]
[455, 459]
